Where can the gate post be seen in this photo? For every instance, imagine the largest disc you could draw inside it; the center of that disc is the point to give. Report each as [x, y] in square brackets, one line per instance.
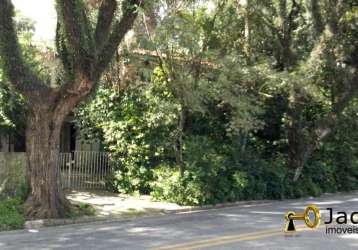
[69, 164]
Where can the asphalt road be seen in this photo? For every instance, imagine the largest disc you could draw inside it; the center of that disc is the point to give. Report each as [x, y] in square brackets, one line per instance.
[257, 226]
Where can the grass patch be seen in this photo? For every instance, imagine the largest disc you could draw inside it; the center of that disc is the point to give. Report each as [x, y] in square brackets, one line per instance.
[11, 214]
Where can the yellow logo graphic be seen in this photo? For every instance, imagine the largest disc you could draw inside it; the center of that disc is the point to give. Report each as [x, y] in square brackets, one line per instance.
[310, 210]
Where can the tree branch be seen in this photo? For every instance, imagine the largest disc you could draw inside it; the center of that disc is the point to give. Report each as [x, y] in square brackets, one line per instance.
[77, 31]
[104, 21]
[120, 28]
[12, 62]
[326, 126]
[316, 17]
[81, 86]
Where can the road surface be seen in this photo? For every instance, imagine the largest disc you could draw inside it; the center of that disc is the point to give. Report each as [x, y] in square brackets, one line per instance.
[256, 226]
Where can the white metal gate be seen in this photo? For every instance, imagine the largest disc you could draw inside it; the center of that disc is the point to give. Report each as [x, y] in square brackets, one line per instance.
[84, 169]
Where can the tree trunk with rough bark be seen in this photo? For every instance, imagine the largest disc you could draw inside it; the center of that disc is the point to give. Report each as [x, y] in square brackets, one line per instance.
[178, 147]
[244, 8]
[42, 145]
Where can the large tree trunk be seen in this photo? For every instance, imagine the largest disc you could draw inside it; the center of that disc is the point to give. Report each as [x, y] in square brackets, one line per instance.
[296, 150]
[298, 140]
[244, 8]
[42, 143]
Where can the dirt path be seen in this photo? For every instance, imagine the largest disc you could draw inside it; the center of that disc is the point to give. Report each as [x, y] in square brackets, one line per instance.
[109, 204]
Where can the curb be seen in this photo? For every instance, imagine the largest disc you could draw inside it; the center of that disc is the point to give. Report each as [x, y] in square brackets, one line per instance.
[37, 224]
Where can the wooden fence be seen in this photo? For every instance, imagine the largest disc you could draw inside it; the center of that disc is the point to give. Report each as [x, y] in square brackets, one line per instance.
[84, 169]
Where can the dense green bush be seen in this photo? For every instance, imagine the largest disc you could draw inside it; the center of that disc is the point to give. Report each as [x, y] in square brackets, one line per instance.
[131, 180]
[208, 178]
[137, 127]
[219, 167]
[266, 180]
[11, 214]
[195, 188]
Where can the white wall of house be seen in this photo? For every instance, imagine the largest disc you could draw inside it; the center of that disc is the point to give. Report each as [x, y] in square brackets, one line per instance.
[87, 145]
[81, 144]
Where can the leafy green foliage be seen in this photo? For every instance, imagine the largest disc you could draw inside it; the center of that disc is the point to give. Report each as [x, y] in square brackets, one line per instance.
[209, 178]
[11, 103]
[136, 126]
[11, 214]
[10, 109]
